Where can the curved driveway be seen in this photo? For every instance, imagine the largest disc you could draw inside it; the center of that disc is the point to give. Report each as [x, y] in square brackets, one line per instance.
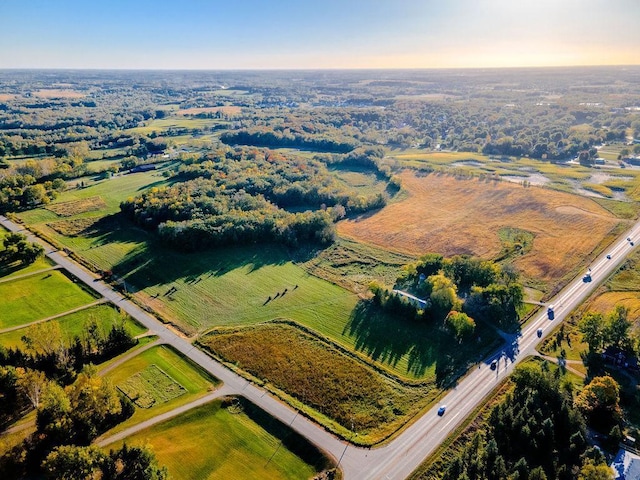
[400, 457]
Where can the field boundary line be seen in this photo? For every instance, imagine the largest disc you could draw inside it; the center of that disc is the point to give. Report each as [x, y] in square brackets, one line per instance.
[53, 317]
[129, 356]
[30, 274]
[219, 393]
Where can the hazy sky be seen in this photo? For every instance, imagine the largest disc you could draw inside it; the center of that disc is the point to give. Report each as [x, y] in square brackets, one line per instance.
[244, 34]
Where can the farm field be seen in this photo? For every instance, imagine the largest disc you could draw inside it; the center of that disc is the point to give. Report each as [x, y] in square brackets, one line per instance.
[73, 324]
[177, 374]
[450, 216]
[163, 124]
[39, 296]
[216, 442]
[347, 394]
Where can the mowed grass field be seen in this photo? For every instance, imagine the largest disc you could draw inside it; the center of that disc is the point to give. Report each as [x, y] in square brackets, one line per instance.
[73, 324]
[212, 443]
[193, 379]
[450, 216]
[39, 296]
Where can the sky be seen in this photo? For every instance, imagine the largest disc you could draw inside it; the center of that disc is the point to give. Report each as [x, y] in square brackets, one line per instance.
[317, 34]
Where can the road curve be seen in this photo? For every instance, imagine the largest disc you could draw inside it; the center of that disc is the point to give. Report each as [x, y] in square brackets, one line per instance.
[403, 455]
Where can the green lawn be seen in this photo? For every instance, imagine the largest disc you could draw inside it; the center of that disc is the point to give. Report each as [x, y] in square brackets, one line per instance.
[195, 381]
[39, 296]
[72, 325]
[211, 442]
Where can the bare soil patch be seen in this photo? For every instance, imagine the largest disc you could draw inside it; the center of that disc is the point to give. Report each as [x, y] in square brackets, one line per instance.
[451, 216]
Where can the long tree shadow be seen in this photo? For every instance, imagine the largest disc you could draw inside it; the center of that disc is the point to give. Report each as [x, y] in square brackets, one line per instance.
[424, 344]
[151, 263]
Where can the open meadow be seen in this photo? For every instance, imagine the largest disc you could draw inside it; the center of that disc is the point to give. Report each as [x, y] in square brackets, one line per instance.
[39, 296]
[227, 441]
[451, 216]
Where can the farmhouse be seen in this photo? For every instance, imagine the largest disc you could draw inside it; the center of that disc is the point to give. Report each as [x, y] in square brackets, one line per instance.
[142, 168]
[418, 302]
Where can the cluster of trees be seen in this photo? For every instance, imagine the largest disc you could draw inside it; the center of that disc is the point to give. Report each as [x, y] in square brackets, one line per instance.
[247, 196]
[73, 406]
[535, 433]
[18, 192]
[18, 249]
[457, 290]
[614, 330]
[289, 138]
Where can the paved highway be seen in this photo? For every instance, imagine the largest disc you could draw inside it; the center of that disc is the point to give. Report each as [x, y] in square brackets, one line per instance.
[400, 457]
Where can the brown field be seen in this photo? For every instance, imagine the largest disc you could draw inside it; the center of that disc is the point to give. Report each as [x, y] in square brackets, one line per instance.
[450, 216]
[5, 97]
[607, 302]
[73, 228]
[229, 110]
[74, 207]
[57, 93]
[319, 375]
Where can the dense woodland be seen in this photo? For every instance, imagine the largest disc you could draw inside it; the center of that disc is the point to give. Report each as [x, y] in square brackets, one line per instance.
[537, 432]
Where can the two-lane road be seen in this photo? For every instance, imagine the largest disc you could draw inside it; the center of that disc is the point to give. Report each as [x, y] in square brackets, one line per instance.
[401, 456]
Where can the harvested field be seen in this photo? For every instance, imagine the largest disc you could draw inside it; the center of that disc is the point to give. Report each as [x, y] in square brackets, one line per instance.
[228, 110]
[450, 216]
[5, 97]
[74, 207]
[75, 227]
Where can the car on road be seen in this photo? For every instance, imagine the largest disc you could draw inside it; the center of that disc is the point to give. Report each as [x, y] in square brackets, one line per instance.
[550, 313]
[441, 410]
[631, 243]
[586, 278]
[609, 257]
[494, 365]
[539, 332]
[628, 239]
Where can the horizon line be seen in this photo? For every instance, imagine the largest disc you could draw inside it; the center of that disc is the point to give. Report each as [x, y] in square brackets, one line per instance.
[302, 69]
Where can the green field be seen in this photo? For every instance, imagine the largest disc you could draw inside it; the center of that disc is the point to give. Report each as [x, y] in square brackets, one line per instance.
[151, 386]
[39, 296]
[72, 325]
[217, 443]
[193, 379]
[163, 124]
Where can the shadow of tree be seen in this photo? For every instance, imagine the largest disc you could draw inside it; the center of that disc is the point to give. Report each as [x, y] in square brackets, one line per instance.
[151, 263]
[388, 339]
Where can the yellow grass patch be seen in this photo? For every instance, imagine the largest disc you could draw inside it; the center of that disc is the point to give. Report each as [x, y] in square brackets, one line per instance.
[57, 93]
[449, 216]
[73, 228]
[228, 109]
[607, 302]
[74, 207]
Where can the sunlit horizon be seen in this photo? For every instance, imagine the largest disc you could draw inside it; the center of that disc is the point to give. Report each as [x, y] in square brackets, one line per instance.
[303, 35]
